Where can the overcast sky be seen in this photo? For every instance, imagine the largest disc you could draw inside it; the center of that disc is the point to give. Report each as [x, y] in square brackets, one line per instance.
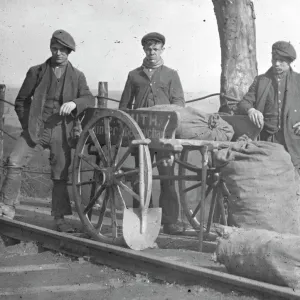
[108, 33]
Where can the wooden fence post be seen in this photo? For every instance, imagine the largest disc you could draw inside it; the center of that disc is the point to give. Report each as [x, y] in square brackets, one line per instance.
[2, 97]
[102, 92]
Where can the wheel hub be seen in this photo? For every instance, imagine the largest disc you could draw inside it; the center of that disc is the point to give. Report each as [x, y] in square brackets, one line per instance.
[100, 177]
[109, 174]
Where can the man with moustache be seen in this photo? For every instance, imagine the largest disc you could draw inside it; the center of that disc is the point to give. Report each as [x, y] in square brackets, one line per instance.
[52, 95]
[153, 84]
[273, 102]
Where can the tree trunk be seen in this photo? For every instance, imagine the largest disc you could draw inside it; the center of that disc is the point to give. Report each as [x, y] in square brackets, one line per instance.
[2, 97]
[236, 25]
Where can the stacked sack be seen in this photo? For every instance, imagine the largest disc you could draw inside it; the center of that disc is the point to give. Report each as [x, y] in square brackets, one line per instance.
[263, 186]
[261, 255]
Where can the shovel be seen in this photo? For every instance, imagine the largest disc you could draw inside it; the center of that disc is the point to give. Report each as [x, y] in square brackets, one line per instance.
[134, 237]
[141, 225]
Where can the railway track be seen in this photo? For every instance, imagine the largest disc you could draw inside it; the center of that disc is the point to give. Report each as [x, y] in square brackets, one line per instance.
[171, 266]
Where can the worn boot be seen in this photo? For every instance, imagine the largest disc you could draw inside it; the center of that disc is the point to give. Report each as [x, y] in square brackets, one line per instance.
[173, 229]
[62, 225]
[7, 211]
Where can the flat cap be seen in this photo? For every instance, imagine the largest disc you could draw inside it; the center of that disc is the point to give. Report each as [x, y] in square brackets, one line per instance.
[284, 49]
[153, 36]
[64, 38]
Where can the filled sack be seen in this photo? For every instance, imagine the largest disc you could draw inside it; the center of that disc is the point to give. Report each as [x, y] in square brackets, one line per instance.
[198, 125]
[263, 186]
[261, 255]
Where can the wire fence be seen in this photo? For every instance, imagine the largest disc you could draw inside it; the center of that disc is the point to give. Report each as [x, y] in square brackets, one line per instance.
[36, 180]
[230, 98]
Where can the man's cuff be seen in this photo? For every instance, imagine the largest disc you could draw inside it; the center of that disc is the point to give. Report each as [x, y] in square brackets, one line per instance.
[74, 111]
[250, 110]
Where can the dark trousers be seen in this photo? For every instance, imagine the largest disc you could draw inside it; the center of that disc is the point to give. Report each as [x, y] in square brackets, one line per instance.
[168, 199]
[277, 137]
[24, 150]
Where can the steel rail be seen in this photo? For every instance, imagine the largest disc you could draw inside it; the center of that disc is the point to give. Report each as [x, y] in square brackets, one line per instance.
[135, 261]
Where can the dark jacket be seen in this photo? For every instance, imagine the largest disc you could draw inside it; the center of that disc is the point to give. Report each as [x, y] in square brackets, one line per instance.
[32, 95]
[256, 97]
[165, 85]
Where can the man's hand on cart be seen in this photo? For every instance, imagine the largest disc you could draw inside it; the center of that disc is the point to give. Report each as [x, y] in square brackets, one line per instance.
[67, 108]
[297, 128]
[169, 162]
[256, 117]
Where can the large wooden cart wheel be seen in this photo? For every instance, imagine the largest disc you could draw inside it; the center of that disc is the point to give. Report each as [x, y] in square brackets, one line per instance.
[189, 191]
[114, 136]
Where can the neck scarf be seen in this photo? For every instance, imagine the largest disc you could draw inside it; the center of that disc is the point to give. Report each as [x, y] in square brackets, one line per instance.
[150, 65]
[281, 75]
[59, 71]
[55, 65]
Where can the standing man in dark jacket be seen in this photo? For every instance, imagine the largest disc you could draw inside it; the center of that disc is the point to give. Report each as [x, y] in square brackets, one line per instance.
[52, 95]
[152, 84]
[273, 101]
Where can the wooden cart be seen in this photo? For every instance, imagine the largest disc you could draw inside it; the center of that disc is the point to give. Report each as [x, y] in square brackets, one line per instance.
[107, 145]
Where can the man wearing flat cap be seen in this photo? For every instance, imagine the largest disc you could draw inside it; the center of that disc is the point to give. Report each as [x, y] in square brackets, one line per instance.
[52, 95]
[154, 84]
[273, 101]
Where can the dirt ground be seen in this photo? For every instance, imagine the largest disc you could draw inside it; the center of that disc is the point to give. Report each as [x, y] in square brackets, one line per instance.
[27, 273]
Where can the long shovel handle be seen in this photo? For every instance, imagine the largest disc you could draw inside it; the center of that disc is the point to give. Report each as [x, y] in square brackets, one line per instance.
[142, 189]
[204, 153]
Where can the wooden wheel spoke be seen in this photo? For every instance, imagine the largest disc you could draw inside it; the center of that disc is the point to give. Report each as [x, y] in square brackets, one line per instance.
[98, 146]
[129, 175]
[102, 211]
[119, 194]
[85, 182]
[108, 139]
[224, 188]
[222, 209]
[89, 161]
[128, 189]
[199, 204]
[92, 202]
[124, 157]
[131, 172]
[187, 166]
[215, 195]
[192, 187]
[118, 145]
